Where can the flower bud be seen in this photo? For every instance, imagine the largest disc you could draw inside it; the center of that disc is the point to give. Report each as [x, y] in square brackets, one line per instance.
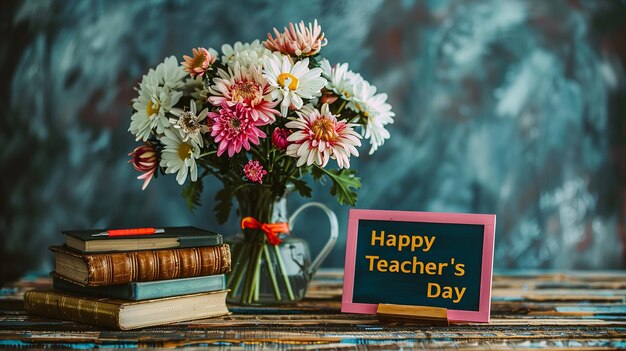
[279, 138]
[144, 159]
[328, 97]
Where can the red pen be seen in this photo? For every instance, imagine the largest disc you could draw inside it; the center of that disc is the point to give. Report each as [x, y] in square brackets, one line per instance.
[130, 232]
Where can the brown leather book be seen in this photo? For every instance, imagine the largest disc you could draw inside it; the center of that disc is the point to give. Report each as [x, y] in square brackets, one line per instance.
[140, 266]
[124, 314]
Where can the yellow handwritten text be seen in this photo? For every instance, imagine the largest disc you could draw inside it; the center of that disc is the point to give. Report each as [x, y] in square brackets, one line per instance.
[447, 292]
[402, 241]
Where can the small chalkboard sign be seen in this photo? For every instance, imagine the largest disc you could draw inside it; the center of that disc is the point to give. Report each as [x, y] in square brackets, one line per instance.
[420, 259]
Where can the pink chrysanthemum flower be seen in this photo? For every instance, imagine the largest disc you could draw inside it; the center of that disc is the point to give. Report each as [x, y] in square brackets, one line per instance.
[254, 171]
[200, 62]
[247, 87]
[298, 40]
[144, 159]
[279, 138]
[320, 136]
[233, 129]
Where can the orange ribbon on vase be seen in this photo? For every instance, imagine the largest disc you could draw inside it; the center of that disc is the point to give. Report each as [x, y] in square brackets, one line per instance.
[271, 229]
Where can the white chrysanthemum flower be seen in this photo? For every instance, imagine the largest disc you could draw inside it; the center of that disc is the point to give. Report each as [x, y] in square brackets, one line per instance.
[247, 54]
[294, 82]
[375, 109]
[340, 79]
[170, 74]
[190, 124]
[150, 108]
[156, 97]
[179, 156]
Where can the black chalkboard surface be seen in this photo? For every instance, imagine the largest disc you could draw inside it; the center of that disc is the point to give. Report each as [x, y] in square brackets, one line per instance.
[421, 259]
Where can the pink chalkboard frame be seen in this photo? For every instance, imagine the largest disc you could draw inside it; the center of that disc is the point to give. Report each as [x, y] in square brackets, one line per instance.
[489, 222]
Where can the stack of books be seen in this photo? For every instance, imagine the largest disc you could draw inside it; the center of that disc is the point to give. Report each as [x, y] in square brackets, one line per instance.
[129, 282]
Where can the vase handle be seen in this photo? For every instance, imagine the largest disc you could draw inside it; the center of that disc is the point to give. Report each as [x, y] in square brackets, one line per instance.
[334, 233]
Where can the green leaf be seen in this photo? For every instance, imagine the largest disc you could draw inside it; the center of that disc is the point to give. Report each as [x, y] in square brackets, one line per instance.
[317, 173]
[223, 205]
[278, 189]
[345, 184]
[192, 194]
[302, 187]
[313, 62]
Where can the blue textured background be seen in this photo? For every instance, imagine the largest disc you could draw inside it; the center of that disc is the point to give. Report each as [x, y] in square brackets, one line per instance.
[509, 107]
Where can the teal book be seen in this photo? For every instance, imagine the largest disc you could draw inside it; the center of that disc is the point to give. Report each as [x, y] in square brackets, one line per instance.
[146, 290]
[171, 238]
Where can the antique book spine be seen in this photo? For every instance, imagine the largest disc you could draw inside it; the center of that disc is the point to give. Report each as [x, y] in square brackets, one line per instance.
[146, 290]
[139, 266]
[60, 306]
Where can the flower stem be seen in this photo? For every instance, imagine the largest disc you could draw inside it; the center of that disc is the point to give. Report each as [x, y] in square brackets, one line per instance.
[252, 289]
[207, 153]
[258, 154]
[238, 277]
[248, 290]
[283, 273]
[343, 104]
[270, 269]
[248, 281]
[237, 251]
[257, 275]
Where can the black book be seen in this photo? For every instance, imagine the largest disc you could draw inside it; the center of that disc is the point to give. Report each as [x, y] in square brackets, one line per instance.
[173, 237]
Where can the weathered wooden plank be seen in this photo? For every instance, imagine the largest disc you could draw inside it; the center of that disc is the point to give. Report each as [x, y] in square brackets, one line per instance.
[313, 321]
[611, 285]
[553, 311]
[174, 336]
[572, 344]
[528, 274]
[564, 291]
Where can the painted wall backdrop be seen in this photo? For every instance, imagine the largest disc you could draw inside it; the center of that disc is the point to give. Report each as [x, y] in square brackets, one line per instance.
[516, 108]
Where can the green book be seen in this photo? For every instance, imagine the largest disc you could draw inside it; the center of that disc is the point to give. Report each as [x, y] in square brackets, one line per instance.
[172, 237]
[146, 290]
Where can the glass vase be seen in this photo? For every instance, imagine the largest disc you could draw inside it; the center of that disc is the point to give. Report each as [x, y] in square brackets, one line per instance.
[266, 274]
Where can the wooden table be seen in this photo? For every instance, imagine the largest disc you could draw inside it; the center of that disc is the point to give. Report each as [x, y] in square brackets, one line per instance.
[530, 310]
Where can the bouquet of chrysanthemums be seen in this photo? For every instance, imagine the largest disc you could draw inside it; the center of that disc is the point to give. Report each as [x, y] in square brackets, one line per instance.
[259, 117]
